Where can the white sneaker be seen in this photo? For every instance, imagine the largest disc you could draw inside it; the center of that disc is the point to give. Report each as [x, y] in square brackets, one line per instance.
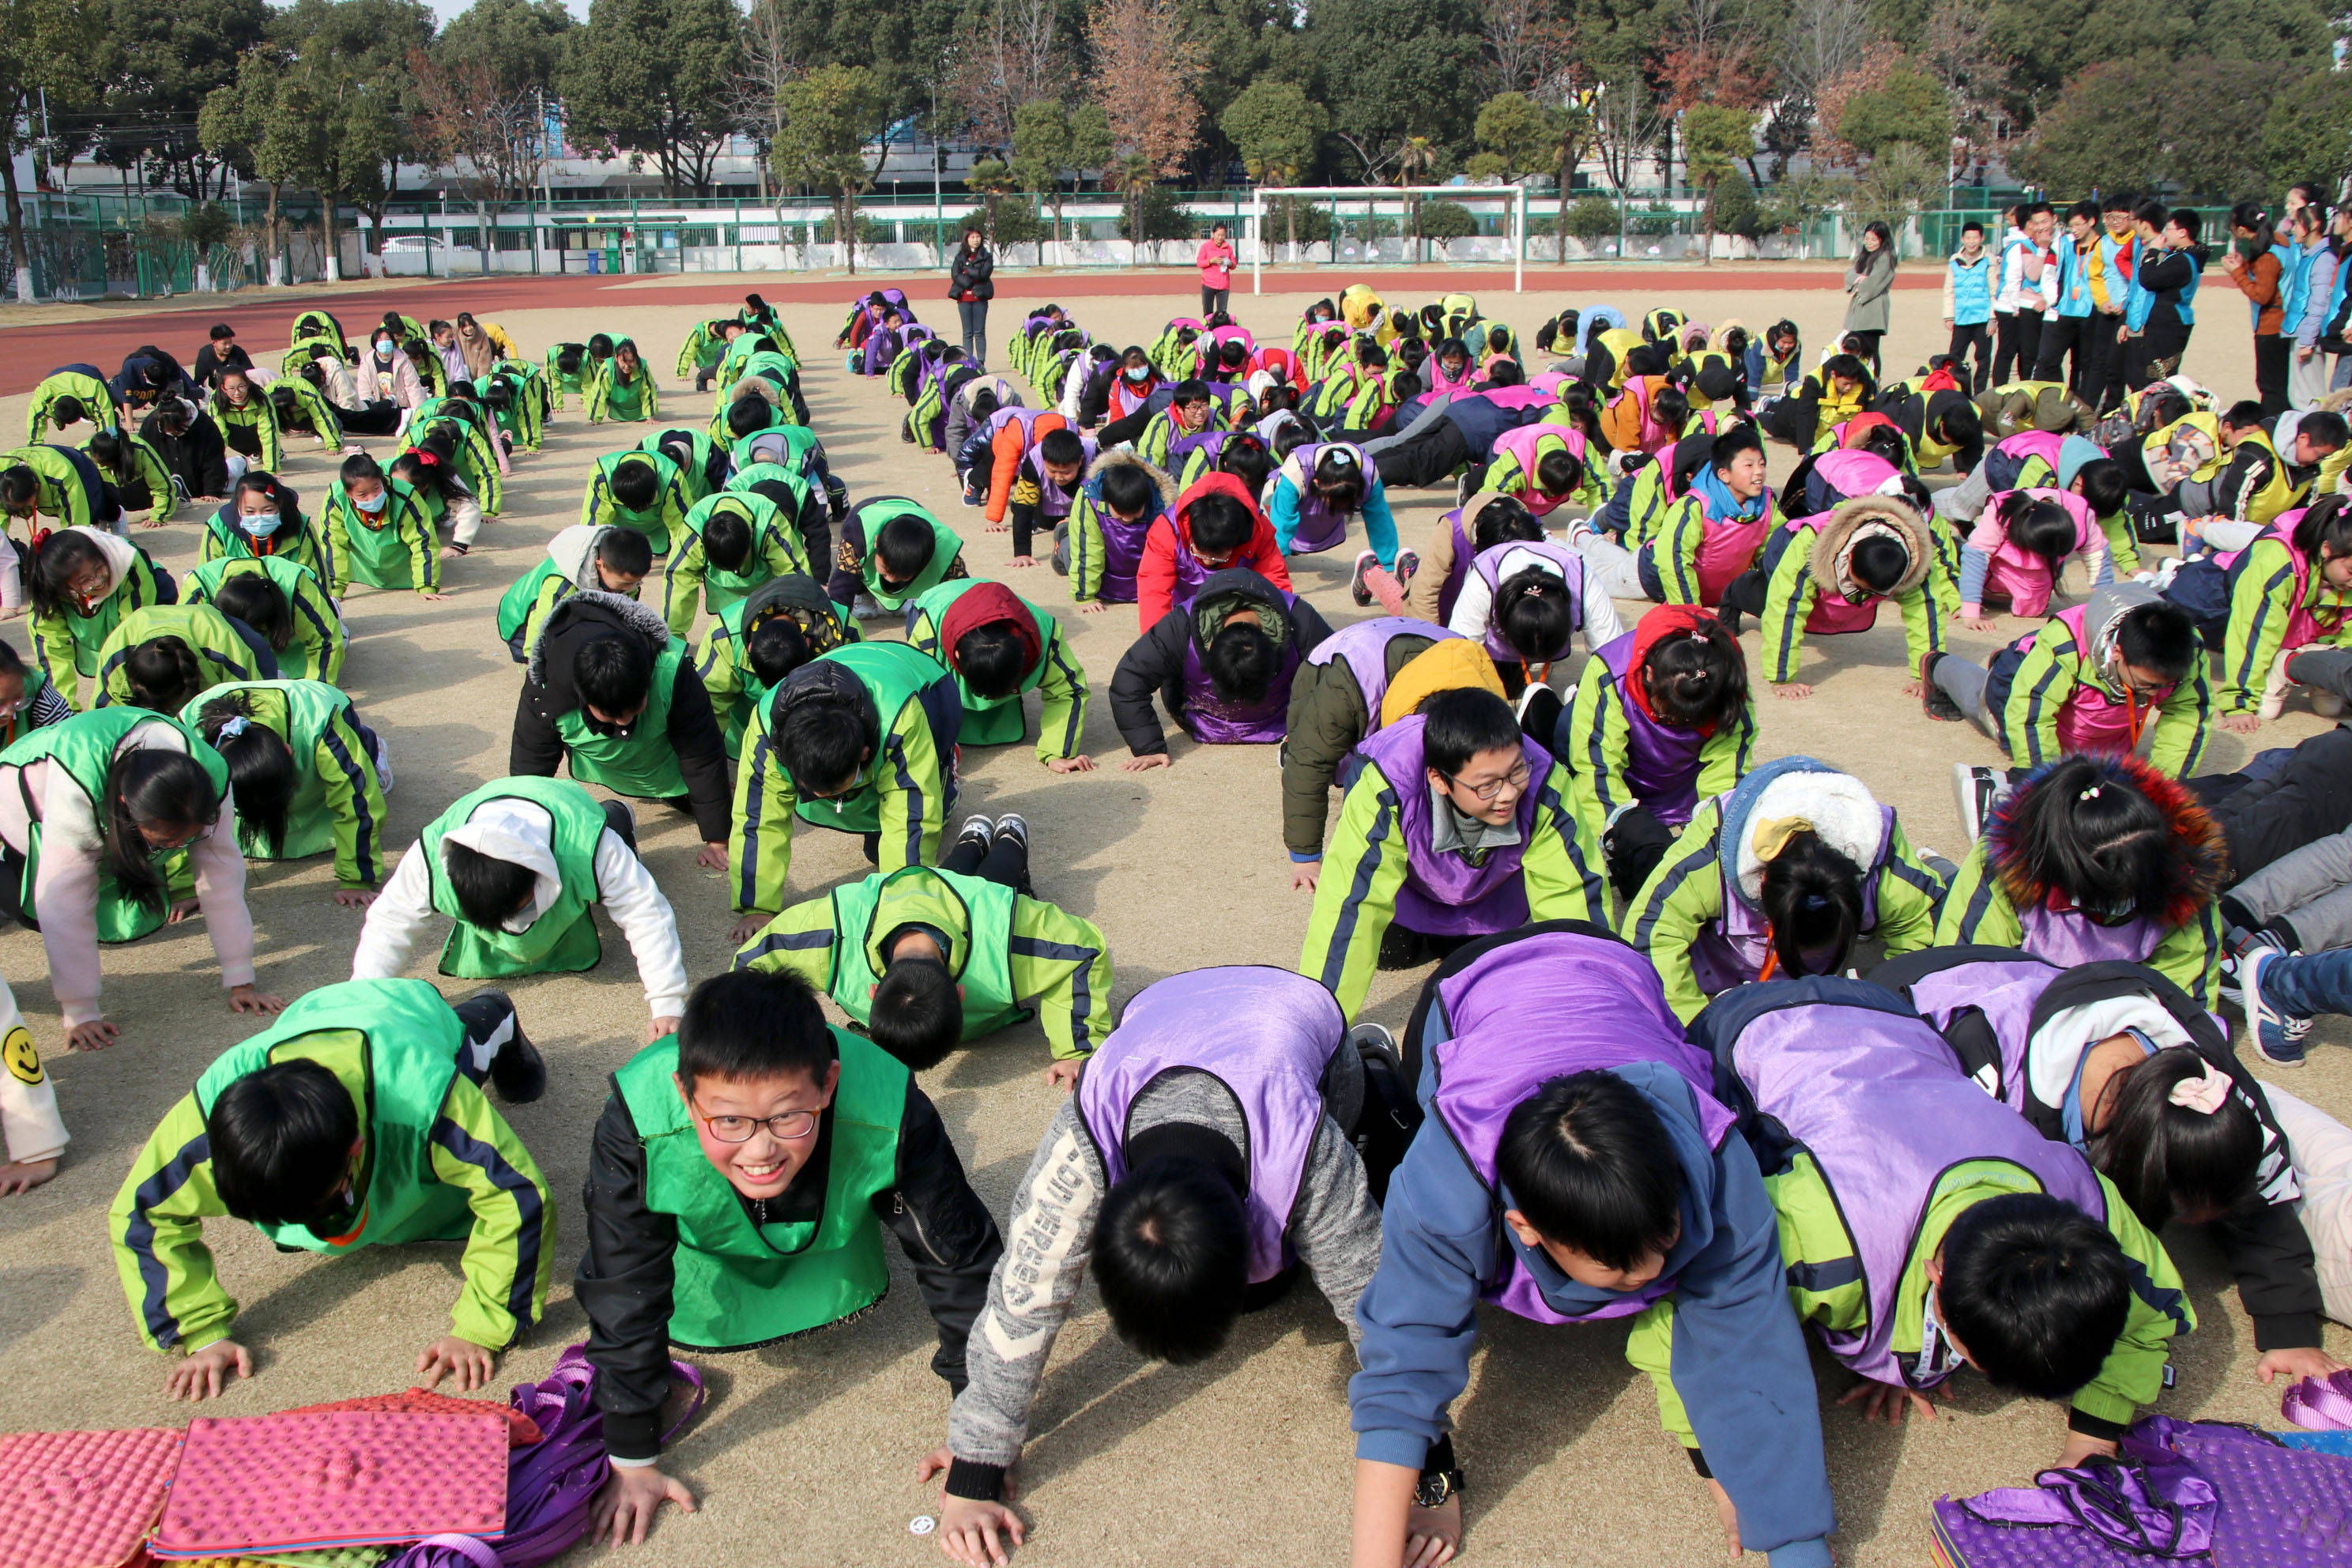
[2275, 689]
[2327, 704]
[382, 765]
[867, 609]
[1976, 790]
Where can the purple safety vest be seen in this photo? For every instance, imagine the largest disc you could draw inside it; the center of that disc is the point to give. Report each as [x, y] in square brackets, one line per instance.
[1662, 761]
[2006, 992]
[1878, 1101]
[1214, 721]
[1267, 1035]
[1538, 1009]
[1054, 502]
[1444, 895]
[1489, 565]
[1365, 647]
[2072, 938]
[1320, 525]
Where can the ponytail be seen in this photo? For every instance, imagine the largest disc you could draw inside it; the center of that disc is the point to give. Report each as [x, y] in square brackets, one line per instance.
[1812, 904]
[2323, 530]
[1534, 614]
[164, 674]
[261, 765]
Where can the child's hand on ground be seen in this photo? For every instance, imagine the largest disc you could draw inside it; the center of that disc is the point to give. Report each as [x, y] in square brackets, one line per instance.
[2295, 1365]
[354, 897]
[24, 1175]
[747, 928]
[626, 1504]
[1092, 608]
[1726, 1513]
[1081, 763]
[1020, 563]
[1303, 875]
[999, 528]
[1064, 1076]
[150, 521]
[1433, 1536]
[1791, 691]
[181, 910]
[969, 1527]
[1978, 622]
[1914, 688]
[205, 1373]
[94, 1035]
[1147, 762]
[711, 857]
[450, 1356]
[246, 999]
[1885, 1401]
[433, 598]
[2242, 724]
[665, 1025]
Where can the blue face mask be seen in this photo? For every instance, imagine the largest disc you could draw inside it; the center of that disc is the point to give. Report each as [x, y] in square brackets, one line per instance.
[375, 502]
[261, 525]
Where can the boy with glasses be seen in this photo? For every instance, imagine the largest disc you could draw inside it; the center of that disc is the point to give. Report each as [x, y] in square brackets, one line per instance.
[742, 1177]
[1458, 827]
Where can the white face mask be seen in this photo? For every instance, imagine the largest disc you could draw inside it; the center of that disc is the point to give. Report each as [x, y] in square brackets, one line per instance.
[383, 347]
[260, 524]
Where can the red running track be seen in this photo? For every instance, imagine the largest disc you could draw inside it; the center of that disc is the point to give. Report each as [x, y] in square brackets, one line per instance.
[264, 317]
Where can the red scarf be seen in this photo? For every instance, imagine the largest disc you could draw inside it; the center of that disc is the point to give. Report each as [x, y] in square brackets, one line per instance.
[985, 604]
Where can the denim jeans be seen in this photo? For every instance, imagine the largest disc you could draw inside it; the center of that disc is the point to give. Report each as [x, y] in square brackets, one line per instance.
[2302, 987]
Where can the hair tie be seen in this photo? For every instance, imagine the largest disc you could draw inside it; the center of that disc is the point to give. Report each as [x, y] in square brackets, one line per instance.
[2203, 1093]
[233, 728]
[2091, 793]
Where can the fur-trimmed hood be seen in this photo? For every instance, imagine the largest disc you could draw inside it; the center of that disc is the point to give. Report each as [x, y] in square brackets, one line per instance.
[1839, 807]
[1834, 537]
[2200, 853]
[1121, 458]
[583, 616]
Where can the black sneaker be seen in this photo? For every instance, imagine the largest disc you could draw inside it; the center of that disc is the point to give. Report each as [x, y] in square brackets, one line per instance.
[1401, 949]
[518, 1072]
[1539, 711]
[1730, 615]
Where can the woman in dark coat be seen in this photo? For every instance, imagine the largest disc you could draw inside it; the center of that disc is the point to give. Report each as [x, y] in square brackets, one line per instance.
[971, 283]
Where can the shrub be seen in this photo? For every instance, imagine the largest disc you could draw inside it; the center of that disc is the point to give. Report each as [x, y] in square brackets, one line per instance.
[1163, 218]
[1447, 220]
[1592, 219]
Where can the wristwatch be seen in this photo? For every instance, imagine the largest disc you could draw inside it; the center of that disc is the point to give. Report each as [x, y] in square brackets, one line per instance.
[1436, 1487]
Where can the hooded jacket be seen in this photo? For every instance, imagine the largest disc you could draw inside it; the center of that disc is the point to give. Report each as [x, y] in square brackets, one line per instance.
[1095, 556]
[197, 458]
[2048, 692]
[1698, 917]
[1805, 558]
[549, 692]
[1156, 661]
[1170, 567]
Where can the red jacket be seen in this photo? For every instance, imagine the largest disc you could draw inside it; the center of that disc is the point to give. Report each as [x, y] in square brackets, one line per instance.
[1155, 575]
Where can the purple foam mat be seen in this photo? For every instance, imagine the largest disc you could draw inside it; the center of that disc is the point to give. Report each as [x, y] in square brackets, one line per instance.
[2281, 1507]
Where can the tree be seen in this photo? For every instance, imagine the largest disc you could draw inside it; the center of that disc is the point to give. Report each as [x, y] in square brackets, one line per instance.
[1014, 59]
[1899, 182]
[1048, 136]
[994, 180]
[1526, 43]
[2054, 44]
[240, 123]
[491, 140]
[1592, 219]
[160, 57]
[1714, 139]
[1144, 70]
[655, 76]
[1276, 127]
[1626, 123]
[45, 46]
[520, 42]
[765, 63]
[1959, 52]
[828, 116]
[1520, 133]
[1391, 69]
[1905, 108]
[2308, 130]
[2197, 124]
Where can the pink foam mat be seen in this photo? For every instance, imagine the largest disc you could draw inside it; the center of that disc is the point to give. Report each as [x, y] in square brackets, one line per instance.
[284, 1483]
[81, 1499]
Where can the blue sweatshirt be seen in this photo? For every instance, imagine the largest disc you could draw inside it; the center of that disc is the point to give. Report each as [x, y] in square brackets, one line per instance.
[1740, 1360]
[1380, 524]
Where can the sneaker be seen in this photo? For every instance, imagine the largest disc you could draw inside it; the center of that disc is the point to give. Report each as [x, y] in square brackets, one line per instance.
[1461, 492]
[1408, 562]
[979, 829]
[1730, 615]
[867, 609]
[1976, 790]
[1540, 709]
[2327, 704]
[1937, 701]
[382, 765]
[2275, 689]
[1365, 560]
[1014, 827]
[2277, 1036]
[518, 1072]
[1372, 1040]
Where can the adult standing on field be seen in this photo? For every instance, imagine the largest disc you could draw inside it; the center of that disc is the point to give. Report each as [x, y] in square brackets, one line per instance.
[1215, 261]
[1871, 281]
[971, 283]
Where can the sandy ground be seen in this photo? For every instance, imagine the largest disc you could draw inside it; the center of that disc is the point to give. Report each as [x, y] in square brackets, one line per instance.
[806, 1451]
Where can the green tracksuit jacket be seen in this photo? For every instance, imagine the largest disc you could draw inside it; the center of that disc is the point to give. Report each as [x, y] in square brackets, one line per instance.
[1977, 911]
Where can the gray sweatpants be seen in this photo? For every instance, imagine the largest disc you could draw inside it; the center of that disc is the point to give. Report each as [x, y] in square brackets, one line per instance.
[1964, 502]
[1965, 684]
[1617, 569]
[2329, 668]
[2310, 890]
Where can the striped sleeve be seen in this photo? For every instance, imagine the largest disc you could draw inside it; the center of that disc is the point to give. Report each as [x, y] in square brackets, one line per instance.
[682, 588]
[1909, 898]
[1676, 551]
[2183, 724]
[1561, 865]
[1596, 746]
[1364, 864]
[356, 800]
[1682, 898]
[798, 941]
[1975, 908]
[1787, 601]
[1062, 689]
[157, 1224]
[2037, 693]
[2261, 598]
[914, 797]
[511, 1252]
[1062, 965]
[760, 840]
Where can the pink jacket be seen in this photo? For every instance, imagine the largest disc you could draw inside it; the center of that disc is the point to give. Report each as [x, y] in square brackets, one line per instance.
[1215, 261]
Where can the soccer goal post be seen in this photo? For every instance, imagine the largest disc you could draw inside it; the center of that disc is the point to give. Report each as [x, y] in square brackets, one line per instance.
[1379, 212]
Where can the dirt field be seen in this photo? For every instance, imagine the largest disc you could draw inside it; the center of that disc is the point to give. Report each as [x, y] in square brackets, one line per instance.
[807, 1452]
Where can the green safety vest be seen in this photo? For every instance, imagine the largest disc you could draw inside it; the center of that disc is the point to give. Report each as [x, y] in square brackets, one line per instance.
[297, 581]
[380, 552]
[722, 588]
[973, 913]
[393, 1046]
[84, 745]
[737, 1283]
[946, 551]
[894, 675]
[222, 656]
[987, 720]
[645, 765]
[298, 712]
[649, 521]
[562, 940]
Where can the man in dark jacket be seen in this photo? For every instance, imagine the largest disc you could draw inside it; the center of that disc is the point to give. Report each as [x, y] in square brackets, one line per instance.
[190, 446]
[1223, 666]
[609, 688]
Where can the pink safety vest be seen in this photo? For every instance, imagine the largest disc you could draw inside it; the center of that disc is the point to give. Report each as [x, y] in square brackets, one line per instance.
[2019, 575]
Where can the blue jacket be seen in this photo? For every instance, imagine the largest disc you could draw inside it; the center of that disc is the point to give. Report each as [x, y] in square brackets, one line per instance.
[2073, 281]
[2294, 284]
[1971, 293]
[1733, 1329]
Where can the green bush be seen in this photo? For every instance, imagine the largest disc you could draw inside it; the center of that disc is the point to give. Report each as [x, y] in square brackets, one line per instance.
[1314, 222]
[870, 231]
[1163, 218]
[1651, 222]
[1737, 210]
[1447, 220]
[1592, 219]
[206, 225]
